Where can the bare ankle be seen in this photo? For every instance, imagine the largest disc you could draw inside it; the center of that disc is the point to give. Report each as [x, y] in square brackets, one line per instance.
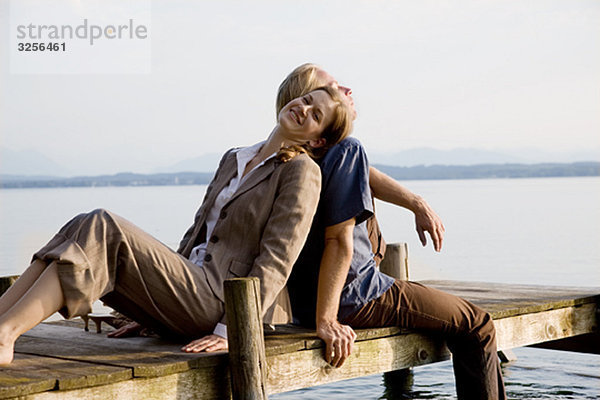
[7, 345]
[7, 335]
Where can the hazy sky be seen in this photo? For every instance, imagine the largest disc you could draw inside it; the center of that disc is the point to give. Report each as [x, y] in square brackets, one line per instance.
[443, 74]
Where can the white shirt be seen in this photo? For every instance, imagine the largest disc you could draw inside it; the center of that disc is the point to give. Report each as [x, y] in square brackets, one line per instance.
[243, 156]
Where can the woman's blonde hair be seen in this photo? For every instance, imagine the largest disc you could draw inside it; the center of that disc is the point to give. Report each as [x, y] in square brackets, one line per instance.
[337, 130]
[300, 81]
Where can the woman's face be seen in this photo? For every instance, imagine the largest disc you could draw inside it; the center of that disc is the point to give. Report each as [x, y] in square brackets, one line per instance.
[304, 118]
[328, 80]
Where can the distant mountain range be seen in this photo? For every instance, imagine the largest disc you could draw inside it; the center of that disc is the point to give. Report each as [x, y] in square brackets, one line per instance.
[38, 166]
[29, 162]
[490, 171]
[482, 171]
[469, 156]
[203, 163]
[122, 179]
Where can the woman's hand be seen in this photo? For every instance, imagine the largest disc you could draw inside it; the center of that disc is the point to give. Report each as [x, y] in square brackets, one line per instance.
[131, 329]
[208, 344]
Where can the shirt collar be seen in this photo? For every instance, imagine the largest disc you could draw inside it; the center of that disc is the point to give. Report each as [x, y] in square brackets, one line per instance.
[245, 154]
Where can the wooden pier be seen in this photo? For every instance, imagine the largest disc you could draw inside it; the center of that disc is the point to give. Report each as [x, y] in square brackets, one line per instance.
[62, 361]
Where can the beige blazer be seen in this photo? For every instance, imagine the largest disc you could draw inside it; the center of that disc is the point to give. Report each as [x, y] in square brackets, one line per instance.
[262, 228]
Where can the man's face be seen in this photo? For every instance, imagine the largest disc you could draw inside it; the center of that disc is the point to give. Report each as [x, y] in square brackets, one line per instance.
[346, 92]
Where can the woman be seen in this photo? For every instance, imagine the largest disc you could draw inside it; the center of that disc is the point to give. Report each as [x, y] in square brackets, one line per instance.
[352, 293]
[253, 222]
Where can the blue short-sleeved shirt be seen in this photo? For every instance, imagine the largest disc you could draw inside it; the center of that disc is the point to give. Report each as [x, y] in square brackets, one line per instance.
[345, 194]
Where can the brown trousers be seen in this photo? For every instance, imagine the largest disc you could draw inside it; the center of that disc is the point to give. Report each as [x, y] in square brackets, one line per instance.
[100, 255]
[469, 332]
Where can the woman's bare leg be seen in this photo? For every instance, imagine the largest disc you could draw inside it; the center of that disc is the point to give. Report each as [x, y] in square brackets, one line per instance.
[22, 285]
[44, 298]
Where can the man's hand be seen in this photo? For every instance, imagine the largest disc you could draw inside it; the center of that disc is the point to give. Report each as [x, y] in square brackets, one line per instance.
[339, 340]
[426, 220]
[129, 330]
[389, 190]
[208, 344]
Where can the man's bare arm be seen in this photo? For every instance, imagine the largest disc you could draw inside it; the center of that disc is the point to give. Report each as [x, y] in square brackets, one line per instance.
[389, 190]
[335, 264]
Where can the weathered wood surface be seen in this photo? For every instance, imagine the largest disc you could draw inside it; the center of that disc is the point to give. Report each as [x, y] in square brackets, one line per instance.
[247, 350]
[145, 357]
[507, 300]
[54, 361]
[308, 368]
[588, 343]
[64, 361]
[65, 374]
[188, 385]
[395, 263]
[522, 316]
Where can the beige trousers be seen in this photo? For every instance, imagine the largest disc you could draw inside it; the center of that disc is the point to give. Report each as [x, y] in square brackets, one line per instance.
[100, 255]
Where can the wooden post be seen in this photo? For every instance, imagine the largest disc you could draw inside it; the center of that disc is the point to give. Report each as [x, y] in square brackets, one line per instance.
[507, 356]
[395, 264]
[395, 261]
[398, 384]
[6, 282]
[247, 360]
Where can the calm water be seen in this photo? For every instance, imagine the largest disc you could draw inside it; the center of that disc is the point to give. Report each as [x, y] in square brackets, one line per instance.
[541, 231]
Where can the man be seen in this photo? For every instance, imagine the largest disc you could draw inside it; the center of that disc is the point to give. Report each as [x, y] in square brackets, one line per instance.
[335, 284]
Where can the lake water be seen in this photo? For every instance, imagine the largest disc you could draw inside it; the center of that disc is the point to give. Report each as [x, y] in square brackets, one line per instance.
[537, 231]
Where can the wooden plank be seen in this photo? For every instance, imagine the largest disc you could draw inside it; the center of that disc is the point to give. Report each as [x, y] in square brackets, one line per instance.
[16, 381]
[368, 334]
[588, 343]
[148, 357]
[30, 374]
[361, 335]
[79, 336]
[165, 376]
[287, 338]
[283, 346]
[507, 356]
[505, 300]
[306, 368]
[196, 384]
[523, 330]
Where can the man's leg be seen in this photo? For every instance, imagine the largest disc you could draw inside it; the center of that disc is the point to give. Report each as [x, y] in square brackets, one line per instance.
[468, 331]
